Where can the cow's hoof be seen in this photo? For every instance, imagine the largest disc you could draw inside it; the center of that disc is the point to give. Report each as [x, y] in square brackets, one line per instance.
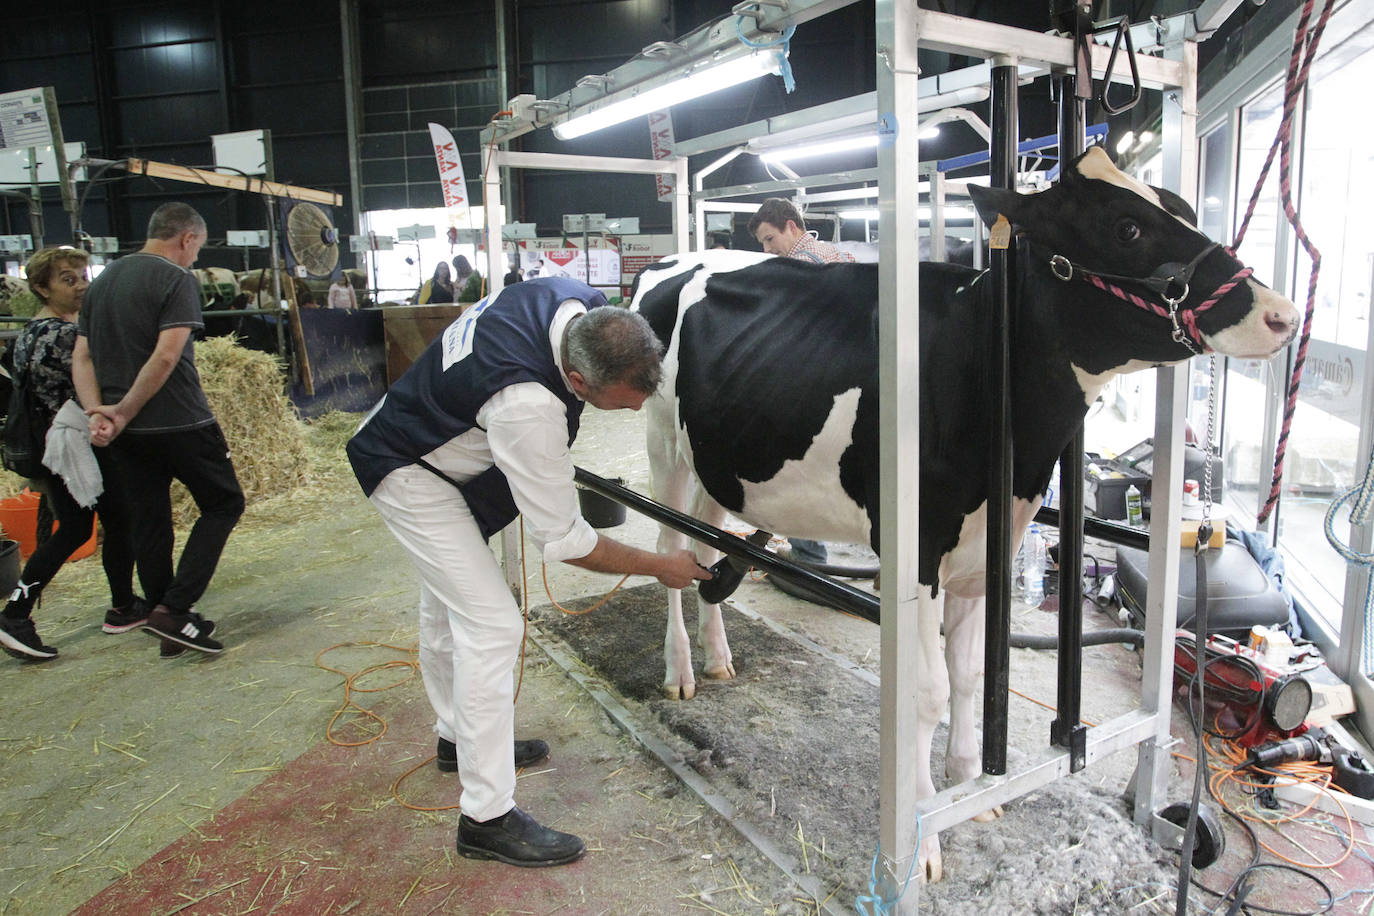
[679, 691]
[930, 867]
[721, 672]
[988, 817]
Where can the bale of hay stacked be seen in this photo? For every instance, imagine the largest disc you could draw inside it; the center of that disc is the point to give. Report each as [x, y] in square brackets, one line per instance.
[266, 435]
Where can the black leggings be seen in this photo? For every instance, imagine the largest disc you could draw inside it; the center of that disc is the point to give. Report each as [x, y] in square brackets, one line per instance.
[73, 530]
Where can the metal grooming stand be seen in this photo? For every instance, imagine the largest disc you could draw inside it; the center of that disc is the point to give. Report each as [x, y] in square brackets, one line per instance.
[900, 27]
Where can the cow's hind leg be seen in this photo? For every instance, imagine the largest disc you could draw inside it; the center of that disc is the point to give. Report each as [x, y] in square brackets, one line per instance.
[932, 693]
[717, 662]
[964, 628]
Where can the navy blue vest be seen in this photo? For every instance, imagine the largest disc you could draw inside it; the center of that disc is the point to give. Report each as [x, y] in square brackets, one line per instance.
[494, 344]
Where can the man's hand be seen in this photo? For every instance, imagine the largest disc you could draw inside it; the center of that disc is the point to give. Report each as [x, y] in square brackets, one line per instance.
[680, 569]
[106, 424]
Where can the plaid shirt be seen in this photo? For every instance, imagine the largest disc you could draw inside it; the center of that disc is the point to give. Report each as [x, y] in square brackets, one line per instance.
[811, 248]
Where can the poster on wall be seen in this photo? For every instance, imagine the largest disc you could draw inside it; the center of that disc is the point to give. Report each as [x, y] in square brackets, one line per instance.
[639, 251]
[559, 258]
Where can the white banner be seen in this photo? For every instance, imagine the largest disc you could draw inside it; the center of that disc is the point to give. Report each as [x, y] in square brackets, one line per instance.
[662, 140]
[450, 172]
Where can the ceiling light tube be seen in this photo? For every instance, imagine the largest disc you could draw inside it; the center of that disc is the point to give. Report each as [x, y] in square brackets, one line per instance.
[823, 148]
[703, 80]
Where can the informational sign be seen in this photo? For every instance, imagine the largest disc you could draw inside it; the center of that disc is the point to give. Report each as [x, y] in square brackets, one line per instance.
[248, 238]
[451, 180]
[18, 244]
[514, 231]
[24, 120]
[662, 141]
[625, 225]
[584, 222]
[639, 251]
[414, 233]
[555, 258]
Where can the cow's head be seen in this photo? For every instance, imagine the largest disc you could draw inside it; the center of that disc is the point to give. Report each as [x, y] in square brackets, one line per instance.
[1137, 246]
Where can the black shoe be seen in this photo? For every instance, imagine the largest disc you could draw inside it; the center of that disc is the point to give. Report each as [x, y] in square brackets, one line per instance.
[526, 753]
[517, 839]
[20, 639]
[169, 649]
[130, 617]
[189, 629]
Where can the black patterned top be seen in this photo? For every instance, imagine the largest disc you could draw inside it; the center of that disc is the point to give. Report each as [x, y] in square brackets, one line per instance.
[43, 361]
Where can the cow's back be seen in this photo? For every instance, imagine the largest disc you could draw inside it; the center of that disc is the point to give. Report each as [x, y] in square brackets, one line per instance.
[772, 368]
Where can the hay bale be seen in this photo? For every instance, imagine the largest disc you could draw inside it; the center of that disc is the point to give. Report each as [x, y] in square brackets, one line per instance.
[265, 433]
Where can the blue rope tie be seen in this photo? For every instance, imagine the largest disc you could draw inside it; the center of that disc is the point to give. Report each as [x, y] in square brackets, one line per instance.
[1363, 498]
[782, 46]
[880, 901]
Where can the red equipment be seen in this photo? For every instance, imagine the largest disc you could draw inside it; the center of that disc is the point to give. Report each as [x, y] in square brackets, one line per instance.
[1249, 699]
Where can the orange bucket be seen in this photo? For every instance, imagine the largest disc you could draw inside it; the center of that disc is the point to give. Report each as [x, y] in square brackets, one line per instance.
[19, 519]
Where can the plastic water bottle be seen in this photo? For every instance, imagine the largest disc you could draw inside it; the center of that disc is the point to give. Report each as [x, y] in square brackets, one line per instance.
[1018, 571]
[1135, 517]
[1034, 568]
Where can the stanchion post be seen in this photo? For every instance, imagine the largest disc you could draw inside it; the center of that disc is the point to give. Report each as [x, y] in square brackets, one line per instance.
[997, 651]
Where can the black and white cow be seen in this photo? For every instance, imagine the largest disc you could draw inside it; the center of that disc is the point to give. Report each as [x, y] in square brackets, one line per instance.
[770, 396]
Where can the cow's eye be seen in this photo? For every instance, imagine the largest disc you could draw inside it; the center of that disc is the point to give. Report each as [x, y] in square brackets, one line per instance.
[1127, 231]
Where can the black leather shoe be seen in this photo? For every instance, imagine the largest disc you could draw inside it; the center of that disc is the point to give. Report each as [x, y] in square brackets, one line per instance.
[526, 753]
[517, 839]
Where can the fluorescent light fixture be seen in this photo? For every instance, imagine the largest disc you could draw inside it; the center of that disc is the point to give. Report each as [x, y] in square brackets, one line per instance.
[701, 81]
[1127, 139]
[822, 148]
[922, 213]
[929, 133]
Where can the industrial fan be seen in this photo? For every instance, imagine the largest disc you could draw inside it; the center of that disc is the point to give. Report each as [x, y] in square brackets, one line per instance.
[309, 239]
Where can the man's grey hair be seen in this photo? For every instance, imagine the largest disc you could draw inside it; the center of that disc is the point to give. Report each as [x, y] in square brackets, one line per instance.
[172, 220]
[610, 345]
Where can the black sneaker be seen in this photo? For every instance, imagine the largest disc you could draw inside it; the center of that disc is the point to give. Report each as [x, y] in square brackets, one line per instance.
[189, 630]
[517, 839]
[169, 649]
[526, 753]
[20, 639]
[130, 617]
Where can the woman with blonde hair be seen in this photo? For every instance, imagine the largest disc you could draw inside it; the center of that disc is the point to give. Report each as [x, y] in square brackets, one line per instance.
[42, 361]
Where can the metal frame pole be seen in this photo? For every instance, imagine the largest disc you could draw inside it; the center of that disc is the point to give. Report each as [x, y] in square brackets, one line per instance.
[997, 647]
[898, 90]
[1067, 730]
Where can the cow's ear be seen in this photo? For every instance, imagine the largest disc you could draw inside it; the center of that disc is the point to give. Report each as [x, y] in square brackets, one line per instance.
[991, 201]
[1176, 206]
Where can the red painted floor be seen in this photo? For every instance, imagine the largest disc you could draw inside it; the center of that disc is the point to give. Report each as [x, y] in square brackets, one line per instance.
[324, 836]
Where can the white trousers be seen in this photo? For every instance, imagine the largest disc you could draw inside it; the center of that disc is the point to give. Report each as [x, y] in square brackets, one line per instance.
[470, 631]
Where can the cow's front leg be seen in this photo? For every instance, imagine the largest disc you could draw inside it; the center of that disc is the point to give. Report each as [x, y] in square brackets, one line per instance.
[717, 663]
[964, 628]
[932, 693]
[678, 681]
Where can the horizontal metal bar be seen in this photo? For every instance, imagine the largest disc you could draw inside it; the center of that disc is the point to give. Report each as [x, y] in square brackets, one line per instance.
[1050, 141]
[573, 163]
[1102, 530]
[788, 184]
[957, 804]
[962, 35]
[842, 596]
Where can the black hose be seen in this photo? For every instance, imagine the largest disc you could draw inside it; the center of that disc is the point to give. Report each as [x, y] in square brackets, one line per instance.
[1090, 638]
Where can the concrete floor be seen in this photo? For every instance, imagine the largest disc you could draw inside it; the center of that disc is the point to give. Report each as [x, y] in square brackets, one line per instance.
[208, 785]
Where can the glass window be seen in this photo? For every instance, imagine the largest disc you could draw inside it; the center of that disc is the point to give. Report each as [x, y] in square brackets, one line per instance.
[1245, 455]
[1338, 153]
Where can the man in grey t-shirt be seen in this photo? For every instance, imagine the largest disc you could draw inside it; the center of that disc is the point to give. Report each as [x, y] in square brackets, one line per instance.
[135, 375]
